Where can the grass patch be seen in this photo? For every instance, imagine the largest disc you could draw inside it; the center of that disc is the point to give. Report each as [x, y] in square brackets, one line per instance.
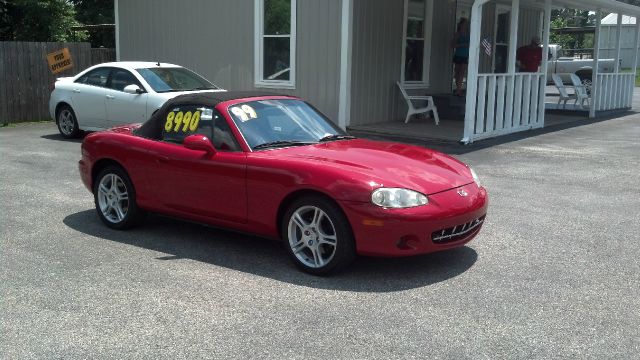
[628, 70]
[25, 123]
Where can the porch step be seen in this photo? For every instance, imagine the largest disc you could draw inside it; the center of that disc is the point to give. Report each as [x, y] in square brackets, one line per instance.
[450, 107]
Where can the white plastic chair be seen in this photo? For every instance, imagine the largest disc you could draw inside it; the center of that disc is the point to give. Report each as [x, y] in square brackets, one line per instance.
[564, 94]
[431, 106]
[580, 90]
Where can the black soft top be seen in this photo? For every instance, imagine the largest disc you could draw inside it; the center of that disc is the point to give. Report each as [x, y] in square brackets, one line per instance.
[152, 128]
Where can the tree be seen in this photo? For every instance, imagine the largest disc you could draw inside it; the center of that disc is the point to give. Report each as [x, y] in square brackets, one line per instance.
[565, 40]
[571, 18]
[5, 20]
[94, 12]
[36, 20]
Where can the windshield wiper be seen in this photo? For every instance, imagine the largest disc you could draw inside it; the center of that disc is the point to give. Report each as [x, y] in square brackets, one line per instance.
[282, 143]
[203, 88]
[169, 91]
[181, 90]
[336, 137]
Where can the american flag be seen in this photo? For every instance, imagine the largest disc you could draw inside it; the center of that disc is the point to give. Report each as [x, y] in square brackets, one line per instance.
[487, 46]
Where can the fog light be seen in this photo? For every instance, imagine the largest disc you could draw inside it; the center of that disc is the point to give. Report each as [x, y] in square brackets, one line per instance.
[408, 243]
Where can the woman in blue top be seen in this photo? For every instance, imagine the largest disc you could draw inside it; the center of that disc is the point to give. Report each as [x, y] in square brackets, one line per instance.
[460, 44]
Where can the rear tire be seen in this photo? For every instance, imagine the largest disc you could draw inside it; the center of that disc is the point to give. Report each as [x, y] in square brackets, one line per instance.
[317, 236]
[115, 199]
[67, 122]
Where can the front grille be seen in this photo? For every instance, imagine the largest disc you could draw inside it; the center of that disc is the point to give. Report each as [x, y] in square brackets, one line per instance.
[456, 233]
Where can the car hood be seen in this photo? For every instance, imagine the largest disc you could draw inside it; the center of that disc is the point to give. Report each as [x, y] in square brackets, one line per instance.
[171, 95]
[385, 164]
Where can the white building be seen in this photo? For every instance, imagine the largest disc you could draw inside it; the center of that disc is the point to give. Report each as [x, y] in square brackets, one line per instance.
[348, 56]
[627, 38]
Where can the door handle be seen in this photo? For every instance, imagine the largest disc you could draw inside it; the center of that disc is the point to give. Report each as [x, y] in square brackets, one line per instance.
[77, 91]
[163, 159]
[110, 97]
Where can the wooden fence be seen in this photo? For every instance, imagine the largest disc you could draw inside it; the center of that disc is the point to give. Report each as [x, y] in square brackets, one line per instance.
[26, 81]
[102, 55]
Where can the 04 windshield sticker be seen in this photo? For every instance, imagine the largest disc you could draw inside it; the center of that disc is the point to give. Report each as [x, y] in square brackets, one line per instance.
[180, 121]
[244, 112]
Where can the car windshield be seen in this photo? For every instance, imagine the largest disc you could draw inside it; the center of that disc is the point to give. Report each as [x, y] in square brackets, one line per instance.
[163, 79]
[281, 123]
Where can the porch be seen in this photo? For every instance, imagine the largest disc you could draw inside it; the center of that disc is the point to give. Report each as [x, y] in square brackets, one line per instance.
[508, 101]
[423, 130]
[499, 99]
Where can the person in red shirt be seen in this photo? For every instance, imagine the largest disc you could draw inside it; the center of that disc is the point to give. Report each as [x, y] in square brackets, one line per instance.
[529, 56]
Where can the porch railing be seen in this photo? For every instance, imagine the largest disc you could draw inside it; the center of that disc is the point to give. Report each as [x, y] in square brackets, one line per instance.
[508, 103]
[615, 91]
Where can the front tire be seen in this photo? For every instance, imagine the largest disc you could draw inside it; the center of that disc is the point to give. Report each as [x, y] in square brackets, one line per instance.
[115, 199]
[67, 122]
[317, 236]
[586, 78]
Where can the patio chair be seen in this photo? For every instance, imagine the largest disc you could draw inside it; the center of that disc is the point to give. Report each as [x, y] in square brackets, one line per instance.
[562, 89]
[580, 90]
[431, 106]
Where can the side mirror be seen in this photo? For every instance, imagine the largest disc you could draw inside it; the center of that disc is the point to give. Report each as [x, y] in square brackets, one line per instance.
[133, 89]
[199, 143]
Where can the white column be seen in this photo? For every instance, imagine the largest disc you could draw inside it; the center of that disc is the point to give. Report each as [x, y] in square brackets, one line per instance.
[618, 42]
[636, 41]
[344, 107]
[508, 99]
[545, 63]
[473, 68]
[596, 58]
[513, 35]
[117, 21]
[634, 70]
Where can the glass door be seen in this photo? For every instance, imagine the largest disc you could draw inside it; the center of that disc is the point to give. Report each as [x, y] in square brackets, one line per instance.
[501, 41]
[463, 10]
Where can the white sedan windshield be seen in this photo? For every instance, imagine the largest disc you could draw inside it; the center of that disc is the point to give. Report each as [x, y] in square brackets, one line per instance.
[174, 79]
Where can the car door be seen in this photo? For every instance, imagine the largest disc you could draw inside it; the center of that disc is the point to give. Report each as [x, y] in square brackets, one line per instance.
[88, 98]
[122, 107]
[190, 182]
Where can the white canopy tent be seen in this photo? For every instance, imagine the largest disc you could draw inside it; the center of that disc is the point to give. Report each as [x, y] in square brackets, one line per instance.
[499, 104]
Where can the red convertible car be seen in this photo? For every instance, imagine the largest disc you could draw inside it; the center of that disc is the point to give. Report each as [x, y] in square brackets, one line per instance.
[276, 167]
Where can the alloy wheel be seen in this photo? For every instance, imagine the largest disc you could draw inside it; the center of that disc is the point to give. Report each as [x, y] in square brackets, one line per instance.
[587, 85]
[113, 198]
[312, 236]
[66, 122]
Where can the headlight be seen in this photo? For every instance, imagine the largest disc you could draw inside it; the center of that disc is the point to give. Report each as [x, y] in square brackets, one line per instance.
[398, 198]
[475, 177]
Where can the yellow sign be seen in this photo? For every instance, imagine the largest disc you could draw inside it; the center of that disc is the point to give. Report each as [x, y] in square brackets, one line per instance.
[59, 60]
[188, 121]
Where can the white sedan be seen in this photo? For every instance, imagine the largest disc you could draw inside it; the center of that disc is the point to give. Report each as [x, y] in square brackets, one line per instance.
[111, 94]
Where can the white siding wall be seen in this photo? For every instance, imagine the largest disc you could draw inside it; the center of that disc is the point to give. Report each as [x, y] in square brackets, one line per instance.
[377, 57]
[529, 26]
[444, 24]
[216, 39]
[608, 44]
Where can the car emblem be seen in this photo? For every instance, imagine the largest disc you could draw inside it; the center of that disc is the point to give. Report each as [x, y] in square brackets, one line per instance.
[463, 193]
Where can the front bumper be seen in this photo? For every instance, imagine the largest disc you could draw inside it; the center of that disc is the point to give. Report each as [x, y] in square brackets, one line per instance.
[85, 174]
[406, 232]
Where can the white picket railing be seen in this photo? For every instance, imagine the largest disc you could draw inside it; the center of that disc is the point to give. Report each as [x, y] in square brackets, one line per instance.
[508, 103]
[615, 91]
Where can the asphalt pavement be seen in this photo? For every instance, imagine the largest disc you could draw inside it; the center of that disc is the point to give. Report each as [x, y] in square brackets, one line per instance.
[554, 274]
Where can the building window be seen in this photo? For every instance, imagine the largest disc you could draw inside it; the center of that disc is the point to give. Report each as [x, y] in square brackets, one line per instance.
[416, 42]
[275, 62]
